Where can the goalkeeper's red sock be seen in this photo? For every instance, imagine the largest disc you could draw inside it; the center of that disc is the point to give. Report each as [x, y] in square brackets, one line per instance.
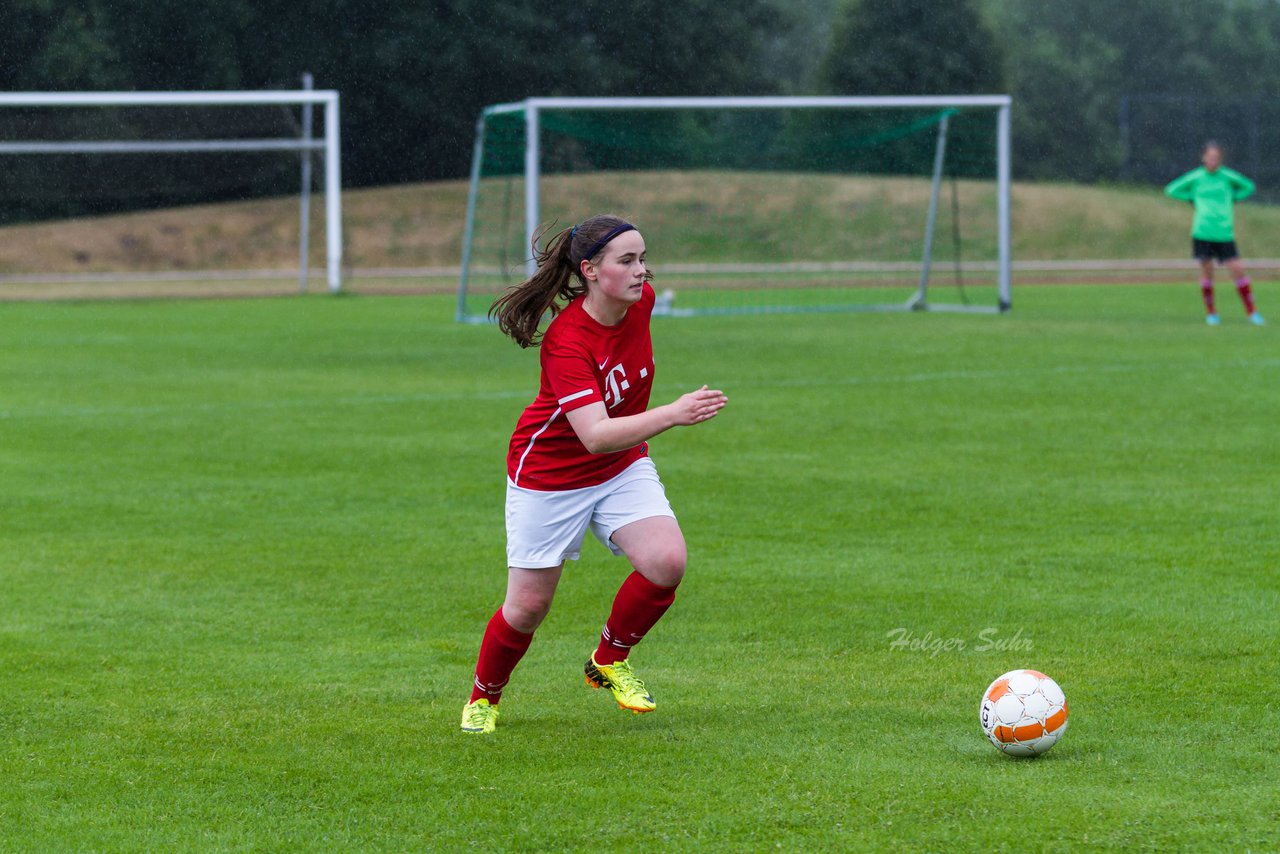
[1206, 291]
[500, 652]
[639, 604]
[1243, 285]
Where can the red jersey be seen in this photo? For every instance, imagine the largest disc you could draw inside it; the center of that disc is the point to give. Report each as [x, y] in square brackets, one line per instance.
[583, 362]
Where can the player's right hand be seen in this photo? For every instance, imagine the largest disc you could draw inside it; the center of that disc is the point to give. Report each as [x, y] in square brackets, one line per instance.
[698, 406]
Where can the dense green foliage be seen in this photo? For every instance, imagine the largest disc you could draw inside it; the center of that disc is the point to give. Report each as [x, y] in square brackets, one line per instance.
[1214, 65]
[912, 47]
[414, 75]
[248, 549]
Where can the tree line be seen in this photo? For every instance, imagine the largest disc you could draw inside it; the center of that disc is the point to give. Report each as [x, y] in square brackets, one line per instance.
[414, 75]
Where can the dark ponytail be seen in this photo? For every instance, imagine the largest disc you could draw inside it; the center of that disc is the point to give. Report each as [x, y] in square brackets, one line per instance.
[521, 309]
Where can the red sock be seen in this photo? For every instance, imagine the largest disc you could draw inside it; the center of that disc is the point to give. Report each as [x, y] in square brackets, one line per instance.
[1246, 294]
[500, 652]
[1206, 290]
[639, 604]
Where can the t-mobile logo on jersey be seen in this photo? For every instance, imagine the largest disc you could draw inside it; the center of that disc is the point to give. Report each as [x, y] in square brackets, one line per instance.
[615, 383]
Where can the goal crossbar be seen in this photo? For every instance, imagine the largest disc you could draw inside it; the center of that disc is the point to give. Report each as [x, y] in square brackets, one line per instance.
[756, 102]
[307, 98]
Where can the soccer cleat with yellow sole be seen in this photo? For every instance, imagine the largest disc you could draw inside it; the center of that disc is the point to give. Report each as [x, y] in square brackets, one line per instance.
[622, 681]
[479, 716]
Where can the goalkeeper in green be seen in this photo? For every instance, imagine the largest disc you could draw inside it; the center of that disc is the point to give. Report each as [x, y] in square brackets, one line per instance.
[1213, 190]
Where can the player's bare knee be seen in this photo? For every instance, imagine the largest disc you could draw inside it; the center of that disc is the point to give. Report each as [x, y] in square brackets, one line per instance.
[674, 574]
[664, 565]
[525, 613]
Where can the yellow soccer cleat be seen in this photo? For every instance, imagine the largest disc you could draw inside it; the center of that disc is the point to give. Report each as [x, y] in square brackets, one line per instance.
[479, 716]
[626, 686]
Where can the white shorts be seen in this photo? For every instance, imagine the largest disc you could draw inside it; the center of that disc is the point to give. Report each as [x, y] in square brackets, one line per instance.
[544, 529]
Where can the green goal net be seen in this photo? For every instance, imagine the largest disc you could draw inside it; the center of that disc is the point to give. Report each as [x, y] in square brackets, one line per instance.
[755, 205]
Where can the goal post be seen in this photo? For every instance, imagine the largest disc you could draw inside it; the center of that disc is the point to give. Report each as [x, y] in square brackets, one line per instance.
[304, 142]
[523, 145]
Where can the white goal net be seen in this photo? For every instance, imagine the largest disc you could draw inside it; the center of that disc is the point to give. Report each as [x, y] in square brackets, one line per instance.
[756, 204]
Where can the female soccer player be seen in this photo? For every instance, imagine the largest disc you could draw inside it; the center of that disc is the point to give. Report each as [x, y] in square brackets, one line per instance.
[578, 458]
[1214, 189]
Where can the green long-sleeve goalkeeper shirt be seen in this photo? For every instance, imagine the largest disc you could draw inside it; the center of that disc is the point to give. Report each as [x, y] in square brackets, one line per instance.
[1214, 195]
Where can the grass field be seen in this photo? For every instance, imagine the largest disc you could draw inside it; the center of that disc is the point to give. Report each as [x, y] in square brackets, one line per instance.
[247, 550]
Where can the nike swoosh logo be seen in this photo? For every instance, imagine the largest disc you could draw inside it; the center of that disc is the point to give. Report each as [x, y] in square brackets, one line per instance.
[602, 364]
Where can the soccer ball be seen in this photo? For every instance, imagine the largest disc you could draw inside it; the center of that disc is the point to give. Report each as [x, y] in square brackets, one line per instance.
[1024, 713]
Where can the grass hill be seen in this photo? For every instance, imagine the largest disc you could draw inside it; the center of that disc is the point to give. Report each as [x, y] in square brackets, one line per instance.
[701, 217]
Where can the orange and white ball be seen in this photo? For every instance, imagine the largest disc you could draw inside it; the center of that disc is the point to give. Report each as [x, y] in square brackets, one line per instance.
[1024, 713]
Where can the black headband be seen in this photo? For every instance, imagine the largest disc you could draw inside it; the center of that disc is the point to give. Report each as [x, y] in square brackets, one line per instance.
[604, 241]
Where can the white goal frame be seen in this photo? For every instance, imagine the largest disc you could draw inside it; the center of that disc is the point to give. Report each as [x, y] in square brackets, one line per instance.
[532, 168]
[305, 144]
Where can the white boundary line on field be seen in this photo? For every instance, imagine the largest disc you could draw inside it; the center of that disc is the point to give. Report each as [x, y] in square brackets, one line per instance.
[1060, 370]
[527, 394]
[1083, 266]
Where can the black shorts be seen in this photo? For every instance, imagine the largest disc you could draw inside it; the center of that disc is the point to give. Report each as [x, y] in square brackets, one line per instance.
[1214, 250]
